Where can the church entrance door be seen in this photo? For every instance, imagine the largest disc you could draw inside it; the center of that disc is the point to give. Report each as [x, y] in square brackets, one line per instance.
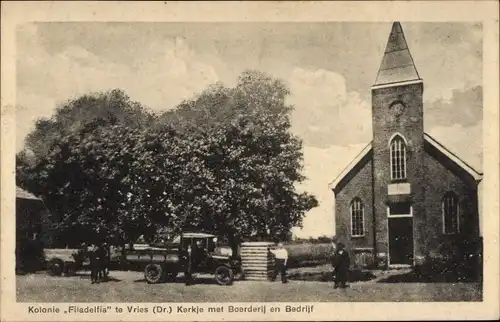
[400, 240]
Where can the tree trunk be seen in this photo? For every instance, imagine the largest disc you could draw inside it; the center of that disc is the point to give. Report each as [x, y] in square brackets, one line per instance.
[234, 242]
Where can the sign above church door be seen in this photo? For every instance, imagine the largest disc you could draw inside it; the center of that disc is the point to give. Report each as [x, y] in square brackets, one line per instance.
[398, 189]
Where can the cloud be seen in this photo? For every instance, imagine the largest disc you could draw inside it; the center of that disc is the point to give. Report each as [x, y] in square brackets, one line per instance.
[325, 112]
[464, 141]
[171, 73]
[30, 107]
[464, 107]
[177, 74]
[453, 49]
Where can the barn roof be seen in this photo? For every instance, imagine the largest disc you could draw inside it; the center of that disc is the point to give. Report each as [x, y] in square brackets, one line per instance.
[23, 194]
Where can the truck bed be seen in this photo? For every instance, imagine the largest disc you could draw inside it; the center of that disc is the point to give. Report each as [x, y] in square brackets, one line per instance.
[65, 254]
[152, 254]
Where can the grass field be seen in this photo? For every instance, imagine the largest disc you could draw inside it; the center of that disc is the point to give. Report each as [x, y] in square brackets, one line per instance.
[307, 254]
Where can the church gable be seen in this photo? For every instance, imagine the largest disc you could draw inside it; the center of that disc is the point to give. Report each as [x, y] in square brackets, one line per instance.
[451, 199]
[352, 169]
[451, 161]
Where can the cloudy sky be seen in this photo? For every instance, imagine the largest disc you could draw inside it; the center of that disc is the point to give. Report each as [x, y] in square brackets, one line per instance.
[329, 68]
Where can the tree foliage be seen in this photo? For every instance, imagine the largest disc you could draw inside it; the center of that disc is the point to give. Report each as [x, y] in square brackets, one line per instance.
[224, 162]
[73, 116]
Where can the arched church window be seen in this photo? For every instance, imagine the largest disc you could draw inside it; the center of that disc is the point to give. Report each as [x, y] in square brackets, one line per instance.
[357, 218]
[398, 158]
[450, 210]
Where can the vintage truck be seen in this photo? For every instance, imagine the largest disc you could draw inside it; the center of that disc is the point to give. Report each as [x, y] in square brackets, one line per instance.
[64, 261]
[164, 260]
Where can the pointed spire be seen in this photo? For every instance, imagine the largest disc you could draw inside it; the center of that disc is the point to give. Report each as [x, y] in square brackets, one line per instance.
[397, 64]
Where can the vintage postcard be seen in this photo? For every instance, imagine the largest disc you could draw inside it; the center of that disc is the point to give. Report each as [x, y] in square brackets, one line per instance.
[171, 161]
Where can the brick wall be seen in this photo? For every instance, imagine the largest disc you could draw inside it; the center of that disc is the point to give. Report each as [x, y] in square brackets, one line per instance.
[440, 179]
[359, 185]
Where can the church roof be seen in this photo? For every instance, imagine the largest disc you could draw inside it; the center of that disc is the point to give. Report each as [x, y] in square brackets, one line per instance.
[429, 140]
[350, 167]
[397, 64]
[453, 157]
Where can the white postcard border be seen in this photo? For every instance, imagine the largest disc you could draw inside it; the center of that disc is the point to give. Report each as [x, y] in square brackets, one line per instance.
[14, 13]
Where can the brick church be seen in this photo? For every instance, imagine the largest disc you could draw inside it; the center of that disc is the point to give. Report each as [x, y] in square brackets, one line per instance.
[405, 198]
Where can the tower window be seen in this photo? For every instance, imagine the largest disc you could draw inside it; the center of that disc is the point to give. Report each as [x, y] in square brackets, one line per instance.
[398, 158]
[449, 208]
[357, 218]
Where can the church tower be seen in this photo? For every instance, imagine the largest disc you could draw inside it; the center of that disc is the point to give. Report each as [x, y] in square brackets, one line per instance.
[398, 154]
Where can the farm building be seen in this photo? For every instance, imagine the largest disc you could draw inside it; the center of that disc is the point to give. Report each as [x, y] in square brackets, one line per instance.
[405, 199]
[30, 215]
[31, 228]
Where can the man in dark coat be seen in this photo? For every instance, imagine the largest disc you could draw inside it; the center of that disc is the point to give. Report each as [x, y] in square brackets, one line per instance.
[341, 264]
[103, 261]
[189, 266]
[94, 263]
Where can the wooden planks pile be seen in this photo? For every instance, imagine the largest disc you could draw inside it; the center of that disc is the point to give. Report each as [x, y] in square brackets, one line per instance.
[257, 263]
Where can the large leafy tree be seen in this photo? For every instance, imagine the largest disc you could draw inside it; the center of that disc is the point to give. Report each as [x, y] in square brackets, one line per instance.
[225, 162]
[242, 161]
[72, 161]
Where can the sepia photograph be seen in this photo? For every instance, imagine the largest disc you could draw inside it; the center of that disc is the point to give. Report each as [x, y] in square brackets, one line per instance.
[245, 163]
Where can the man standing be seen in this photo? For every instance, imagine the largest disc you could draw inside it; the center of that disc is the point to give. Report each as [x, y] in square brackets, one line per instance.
[94, 263]
[281, 258]
[189, 266]
[103, 262]
[341, 266]
[198, 253]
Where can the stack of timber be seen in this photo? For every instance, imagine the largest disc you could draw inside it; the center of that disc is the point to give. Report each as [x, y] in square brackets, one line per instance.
[256, 261]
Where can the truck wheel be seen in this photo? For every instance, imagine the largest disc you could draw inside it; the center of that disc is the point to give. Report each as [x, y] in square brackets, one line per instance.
[224, 275]
[56, 267]
[154, 273]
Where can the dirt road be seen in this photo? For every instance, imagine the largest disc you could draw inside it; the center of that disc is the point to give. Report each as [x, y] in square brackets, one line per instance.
[131, 287]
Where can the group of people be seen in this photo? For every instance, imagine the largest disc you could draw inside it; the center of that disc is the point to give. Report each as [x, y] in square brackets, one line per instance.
[340, 261]
[98, 254]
